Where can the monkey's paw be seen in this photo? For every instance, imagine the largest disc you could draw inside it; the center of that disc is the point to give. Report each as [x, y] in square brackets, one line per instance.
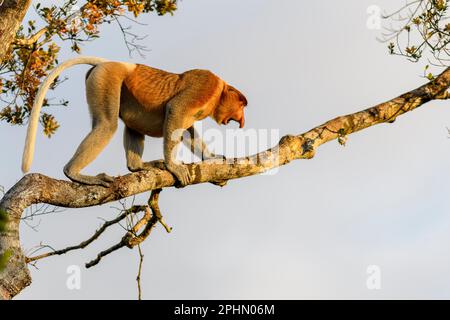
[181, 172]
[104, 179]
[101, 179]
[155, 164]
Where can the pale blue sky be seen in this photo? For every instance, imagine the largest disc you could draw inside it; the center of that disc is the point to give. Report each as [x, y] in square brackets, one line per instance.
[309, 231]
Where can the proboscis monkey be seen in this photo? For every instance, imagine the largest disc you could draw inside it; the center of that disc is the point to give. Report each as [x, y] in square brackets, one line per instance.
[150, 102]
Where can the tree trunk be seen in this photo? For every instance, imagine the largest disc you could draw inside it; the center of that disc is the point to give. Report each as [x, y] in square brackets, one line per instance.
[12, 13]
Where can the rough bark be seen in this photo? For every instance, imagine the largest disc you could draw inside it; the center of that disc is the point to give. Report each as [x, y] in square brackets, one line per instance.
[12, 13]
[37, 188]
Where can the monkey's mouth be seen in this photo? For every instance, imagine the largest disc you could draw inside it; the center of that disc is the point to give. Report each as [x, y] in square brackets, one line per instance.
[240, 121]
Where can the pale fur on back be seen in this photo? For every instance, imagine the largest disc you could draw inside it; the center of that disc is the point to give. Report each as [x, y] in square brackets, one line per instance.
[30, 141]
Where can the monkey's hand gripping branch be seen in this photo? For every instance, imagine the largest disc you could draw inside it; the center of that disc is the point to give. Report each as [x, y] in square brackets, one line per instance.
[37, 188]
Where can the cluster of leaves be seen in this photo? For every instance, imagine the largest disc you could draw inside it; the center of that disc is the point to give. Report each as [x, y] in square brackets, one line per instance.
[424, 31]
[35, 53]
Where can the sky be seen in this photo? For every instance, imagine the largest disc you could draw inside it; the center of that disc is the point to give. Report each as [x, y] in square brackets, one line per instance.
[369, 220]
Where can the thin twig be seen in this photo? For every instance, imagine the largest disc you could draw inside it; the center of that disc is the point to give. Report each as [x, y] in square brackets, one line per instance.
[87, 242]
[138, 278]
[132, 238]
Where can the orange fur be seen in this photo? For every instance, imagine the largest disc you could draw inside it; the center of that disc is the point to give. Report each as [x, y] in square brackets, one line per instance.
[150, 102]
[231, 107]
[146, 92]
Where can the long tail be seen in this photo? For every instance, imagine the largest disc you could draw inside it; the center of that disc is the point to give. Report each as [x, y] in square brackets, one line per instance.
[30, 141]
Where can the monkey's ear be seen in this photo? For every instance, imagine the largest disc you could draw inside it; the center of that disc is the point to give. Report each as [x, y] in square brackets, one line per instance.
[242, 98]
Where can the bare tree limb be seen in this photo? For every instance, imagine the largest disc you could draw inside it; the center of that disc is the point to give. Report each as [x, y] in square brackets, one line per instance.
[131, 239]
[138, 277]
[37, 188]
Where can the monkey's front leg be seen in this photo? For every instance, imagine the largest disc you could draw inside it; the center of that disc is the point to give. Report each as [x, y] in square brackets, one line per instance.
[198, 147]
[133, 142]
[173, 134]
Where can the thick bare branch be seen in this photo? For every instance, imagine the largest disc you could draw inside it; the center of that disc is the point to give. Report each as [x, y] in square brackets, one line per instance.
[37, 188]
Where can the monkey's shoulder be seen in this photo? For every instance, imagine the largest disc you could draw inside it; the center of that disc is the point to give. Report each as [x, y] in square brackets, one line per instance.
[150, 85]
[200, 80]
[150, 73]
[143, 72]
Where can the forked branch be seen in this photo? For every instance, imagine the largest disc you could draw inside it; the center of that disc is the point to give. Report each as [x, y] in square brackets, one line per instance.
[133, 238]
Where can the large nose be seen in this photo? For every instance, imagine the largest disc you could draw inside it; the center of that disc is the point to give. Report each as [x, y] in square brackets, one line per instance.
[241, 122]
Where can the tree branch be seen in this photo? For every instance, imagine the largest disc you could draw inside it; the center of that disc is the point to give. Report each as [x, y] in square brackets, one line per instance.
[87, 242]
[131, 239]
[37, 188]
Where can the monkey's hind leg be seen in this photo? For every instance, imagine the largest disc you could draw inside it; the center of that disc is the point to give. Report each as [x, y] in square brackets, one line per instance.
[88, 150]
[103, 97]
[134, 148]
[133, 142]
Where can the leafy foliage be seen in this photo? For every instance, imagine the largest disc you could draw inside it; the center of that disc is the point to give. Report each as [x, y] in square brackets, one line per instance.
[35, 53]
[422, 31]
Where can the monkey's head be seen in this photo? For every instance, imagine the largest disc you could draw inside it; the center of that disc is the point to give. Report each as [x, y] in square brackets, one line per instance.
[230, 107]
